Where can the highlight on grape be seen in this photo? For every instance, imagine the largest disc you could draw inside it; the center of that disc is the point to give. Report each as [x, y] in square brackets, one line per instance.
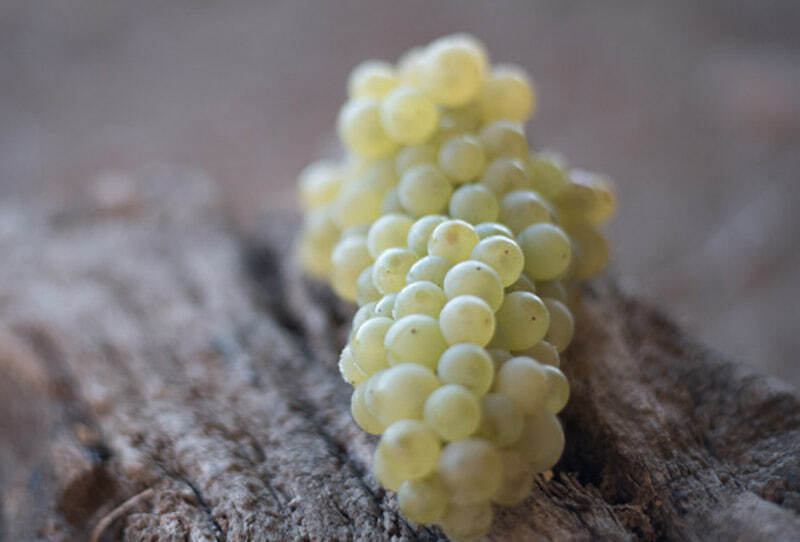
[459, 244]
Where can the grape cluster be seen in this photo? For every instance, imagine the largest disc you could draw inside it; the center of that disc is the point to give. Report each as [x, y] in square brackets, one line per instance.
[457, 242]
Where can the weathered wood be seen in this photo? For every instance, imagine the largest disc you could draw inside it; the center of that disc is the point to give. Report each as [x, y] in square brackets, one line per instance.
[163, 379]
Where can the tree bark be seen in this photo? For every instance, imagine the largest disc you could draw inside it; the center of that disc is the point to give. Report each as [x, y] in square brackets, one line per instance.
[164, 377]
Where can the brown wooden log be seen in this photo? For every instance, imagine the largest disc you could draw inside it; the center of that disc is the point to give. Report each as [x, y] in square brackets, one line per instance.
[164, 378]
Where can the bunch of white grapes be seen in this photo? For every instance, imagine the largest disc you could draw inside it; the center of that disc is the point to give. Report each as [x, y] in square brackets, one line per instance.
[456, 241]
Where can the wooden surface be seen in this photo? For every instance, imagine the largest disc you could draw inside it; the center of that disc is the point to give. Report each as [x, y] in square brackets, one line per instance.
[165, 378]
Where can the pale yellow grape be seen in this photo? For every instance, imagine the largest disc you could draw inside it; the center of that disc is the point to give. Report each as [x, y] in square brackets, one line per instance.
[431, 269]
[467, 522]
[546, 175]
[349, 259]
[522, 319]
[605, 199]
[562, 324]
[359, 127]
[380, 175]
[505, 175]
[451, 73]
[591, 250]
[467, 319]
[557, 390]
[470, 44]
[357, 205]
[501, 420]
[468, 365]
[409, 66]
[391, 202]
[452, 240]
[501, 254]
[385, 306]
[576, 199]
[462, 158]
[423, 500]
[415, 155]
[524, 381]
[517, 481]
[471, 469]
[420, 232]
[400, 393]
[416, 338]
[547, 251]
[553, 289]
[472, 277]
[408, 116]
[420, 297]
[542, 441]
[386, 476]
[387, 232]
[474, 203]
[488, 229]
[457, 121]
[363, 417]
[504, 139]
[523, 284]
[371, 79]
[366, 291]
[409, 449]
[367, 346]
[319, 184]
[543, 352]
[359, 230]
[317, 241]
[521, 208]
[499, 357]
[364, 313]
[390, 269]
[350, 372]
[453, 412]
[507, 94]
[424, 190]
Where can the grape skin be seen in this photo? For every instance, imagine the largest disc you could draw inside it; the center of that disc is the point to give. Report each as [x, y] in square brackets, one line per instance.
[472, 277]
[468, 365]
[467, 319]
[453, 412]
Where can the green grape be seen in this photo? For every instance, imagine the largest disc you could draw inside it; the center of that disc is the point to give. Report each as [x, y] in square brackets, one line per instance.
[400, 393]
[553, 289]
[420, 232]
[424, 190]
[390, 269]
[576, 199]
[591, 250]
[415, 155]
[364, 313]
[468, 365]
[542, 441]
[488, 229]
[421, 297]
[367, 346]
[415, 339]
[380, 175]
[408, 450]
[461, 158]
[388, 478]
[319, 184]
[604, 198]
[456, 121]
[524, 381]
[547, 177]
[365, 289]
[562, 324]
[391, 202]
[451, 73]
[452, 412]
[557, 390]
[466, 522]
[472, 277]
[357, 204]
[371, 79]
[501, 420]
[362, 416]
[471, 469]
[317, 241]
[431, 269]
[543, 352]
[470, 44]
[360, 129]
[350, 372]
[349, 259]
[423, 500]
[523, 284]
[499, 357]
[504, 139]
[385, 307]
[359, 230]
[547, 251]
[388, 231]
[467, 319]
[522, 320]
[474, 203]
[408, 116]
[505, 175]
[452, 240]
[507, 94]
[501, 254]
[517, 481]
[521, 208]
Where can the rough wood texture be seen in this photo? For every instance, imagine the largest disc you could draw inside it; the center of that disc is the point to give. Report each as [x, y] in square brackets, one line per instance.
[163, 379]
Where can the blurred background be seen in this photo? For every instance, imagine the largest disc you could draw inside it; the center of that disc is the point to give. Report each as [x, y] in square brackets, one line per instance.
[693, 107]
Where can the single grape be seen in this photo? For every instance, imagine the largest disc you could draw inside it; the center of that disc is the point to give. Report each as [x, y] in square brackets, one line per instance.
[357, 204]
[542, 441]
[553, 289]
[420, 297]
[471, 469]
[546, 174]
[453, 412]
[367, 346]
[349, 259]
[424, 190]
[521, 208]
[453, 240]
[385, 306]
[467, 319]
[501, 420]
[371, 79]
[472, 277]
[423, 500]
[380, 175]
[318, 184]
[466, 522]
[365, 288]
[391, 202]
[451, 73]
[468, 365]
[408, 116]
[488, 229]
[415, 155]
[317, 241]
[505, 175]
[408, 449]
[502, 254]
[474, 203]
[390, 269]
[504, 139]
[507, 94]
[562, 324]
[522, 321]
[350, 372]
[547, 251]
[461, 158]
[360, 129]
[431, 269]
[523, 284]
[543, 352]
[415, 339]
[400, 393]
[468, 43]
[388, 477]
[363, 417]
[517, 481]
[388, 231]
[420, 232]
[591, 250]
[364, 313]
[524, 381]
[557, 390]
